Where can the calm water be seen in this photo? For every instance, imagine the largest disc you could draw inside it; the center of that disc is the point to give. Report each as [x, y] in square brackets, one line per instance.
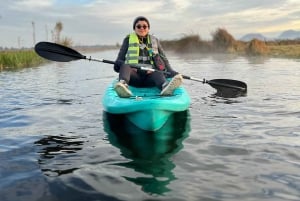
[57, 144]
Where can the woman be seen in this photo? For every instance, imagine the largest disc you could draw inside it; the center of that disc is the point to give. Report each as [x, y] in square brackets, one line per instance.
[140, 47]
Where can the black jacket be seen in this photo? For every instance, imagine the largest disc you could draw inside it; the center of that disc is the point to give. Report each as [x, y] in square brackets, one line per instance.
[123, 51]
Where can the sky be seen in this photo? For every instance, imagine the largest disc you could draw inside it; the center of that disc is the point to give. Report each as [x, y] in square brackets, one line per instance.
[100, 22]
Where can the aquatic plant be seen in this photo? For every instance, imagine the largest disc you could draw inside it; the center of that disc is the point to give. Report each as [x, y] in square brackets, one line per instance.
[19, 59]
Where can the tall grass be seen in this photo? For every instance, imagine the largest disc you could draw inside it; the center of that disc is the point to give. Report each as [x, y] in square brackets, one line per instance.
[187, 44]
[292, 51]
[257, 47]
[19, 59]
[224, 42]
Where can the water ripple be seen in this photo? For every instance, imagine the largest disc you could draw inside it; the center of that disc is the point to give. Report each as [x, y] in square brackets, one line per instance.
[56, 142]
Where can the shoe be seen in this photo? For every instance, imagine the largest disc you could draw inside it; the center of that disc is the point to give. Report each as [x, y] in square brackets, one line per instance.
[171, 86]
[122, 89]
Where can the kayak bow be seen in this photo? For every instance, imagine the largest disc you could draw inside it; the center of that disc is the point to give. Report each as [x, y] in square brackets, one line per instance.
[147, 109]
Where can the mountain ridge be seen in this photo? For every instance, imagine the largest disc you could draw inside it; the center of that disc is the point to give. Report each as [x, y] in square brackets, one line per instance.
[285, 35]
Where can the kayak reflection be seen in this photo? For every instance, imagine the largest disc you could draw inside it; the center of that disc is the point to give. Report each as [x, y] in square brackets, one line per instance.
[149, 152]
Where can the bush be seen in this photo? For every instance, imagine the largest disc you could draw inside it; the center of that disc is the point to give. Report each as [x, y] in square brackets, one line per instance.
[188, 44]
[66, 42]
[257, 47]
[223, 41]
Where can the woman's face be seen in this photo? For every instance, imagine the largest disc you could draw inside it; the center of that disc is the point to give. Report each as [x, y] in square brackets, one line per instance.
[141, 28]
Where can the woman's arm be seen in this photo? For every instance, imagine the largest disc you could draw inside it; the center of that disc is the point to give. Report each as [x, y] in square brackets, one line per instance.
[166, 61]
[122, 53]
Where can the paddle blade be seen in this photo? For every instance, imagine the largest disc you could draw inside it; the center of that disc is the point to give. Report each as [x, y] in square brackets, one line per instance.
[227, 83]
[56, 52]
[227, 88]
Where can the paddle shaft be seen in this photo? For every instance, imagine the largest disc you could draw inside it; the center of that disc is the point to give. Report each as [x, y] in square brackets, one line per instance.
[213, 83]
[60, 53]
[133, 66]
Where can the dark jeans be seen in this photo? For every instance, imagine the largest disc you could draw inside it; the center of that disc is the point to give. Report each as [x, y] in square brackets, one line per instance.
[140, 78]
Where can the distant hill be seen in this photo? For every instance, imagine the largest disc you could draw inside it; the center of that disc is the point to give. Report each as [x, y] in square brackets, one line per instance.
[251, 36]
[289, 34]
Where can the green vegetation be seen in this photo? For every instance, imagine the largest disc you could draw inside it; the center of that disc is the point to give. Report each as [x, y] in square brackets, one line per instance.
[224, 42]
[15, 59]
[19, 59]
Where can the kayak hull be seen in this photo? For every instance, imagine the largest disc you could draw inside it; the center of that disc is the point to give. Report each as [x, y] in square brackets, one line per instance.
[146, 109]
[138, 143]
[151, 119]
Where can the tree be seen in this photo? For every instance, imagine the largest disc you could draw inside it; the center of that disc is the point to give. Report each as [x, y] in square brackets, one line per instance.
[57, 30]
[33, 32]
[56, 35]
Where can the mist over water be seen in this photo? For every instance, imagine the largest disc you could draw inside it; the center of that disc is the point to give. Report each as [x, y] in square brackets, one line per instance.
[56, 142]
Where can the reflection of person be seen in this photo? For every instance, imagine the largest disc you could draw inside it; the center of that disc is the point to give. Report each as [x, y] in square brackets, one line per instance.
[140, 47]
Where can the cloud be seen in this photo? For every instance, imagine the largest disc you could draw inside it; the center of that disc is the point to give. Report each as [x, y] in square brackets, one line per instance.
[107, 22]
[240, 17]
[30, 5]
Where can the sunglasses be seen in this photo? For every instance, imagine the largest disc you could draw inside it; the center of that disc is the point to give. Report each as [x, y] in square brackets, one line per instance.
[140, 26]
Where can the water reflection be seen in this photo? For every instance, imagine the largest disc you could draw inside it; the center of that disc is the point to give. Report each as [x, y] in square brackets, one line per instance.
[53, 154]
[257, 59]
[222, 58]
[149, 152]
[230, 93]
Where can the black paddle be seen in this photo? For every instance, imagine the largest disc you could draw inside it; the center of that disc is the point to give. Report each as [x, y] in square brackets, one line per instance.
[60, 53]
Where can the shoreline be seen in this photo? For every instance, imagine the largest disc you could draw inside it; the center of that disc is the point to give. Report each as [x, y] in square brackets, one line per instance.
[17, 59]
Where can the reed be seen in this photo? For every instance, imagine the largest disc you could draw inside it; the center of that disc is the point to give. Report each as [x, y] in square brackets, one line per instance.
[224, 42]
[290, 50]
[19, 59]
[257, 47]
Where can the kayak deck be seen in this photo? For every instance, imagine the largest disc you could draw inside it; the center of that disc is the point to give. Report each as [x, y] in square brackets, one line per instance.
[146, 108]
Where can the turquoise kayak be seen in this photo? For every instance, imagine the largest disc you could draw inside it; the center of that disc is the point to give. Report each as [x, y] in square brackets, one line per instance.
[146, 109]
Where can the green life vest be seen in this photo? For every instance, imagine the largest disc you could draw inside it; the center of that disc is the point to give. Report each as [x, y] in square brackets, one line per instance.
[133, 52]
